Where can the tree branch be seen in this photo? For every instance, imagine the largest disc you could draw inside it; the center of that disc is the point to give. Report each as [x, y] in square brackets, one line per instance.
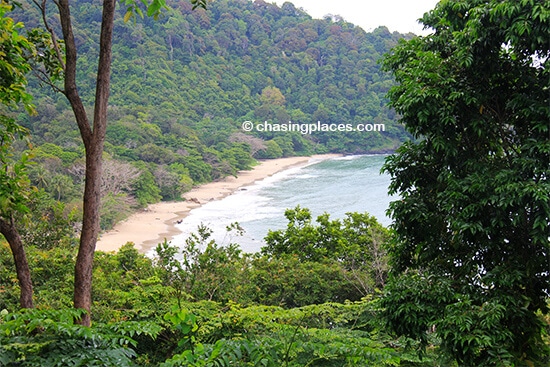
[43, 77]
[42, 7]
[71, 91]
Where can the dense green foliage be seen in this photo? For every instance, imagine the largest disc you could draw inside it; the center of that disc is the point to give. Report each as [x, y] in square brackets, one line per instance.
[51, 338]
[472, 252]
[284, 275]
[14, 62]
[357, 243]
[207, 304]
[14, 183]
[13, 67]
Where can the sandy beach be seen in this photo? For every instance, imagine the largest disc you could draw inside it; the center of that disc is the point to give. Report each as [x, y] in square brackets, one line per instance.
[156, 223]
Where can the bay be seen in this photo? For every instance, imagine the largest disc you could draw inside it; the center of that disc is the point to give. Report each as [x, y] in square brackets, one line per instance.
[336, 186]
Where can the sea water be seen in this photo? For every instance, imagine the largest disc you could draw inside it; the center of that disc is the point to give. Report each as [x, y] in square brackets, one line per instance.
[335, 186]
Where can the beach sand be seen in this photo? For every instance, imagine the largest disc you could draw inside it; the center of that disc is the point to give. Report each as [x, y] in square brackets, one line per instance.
[151, 226]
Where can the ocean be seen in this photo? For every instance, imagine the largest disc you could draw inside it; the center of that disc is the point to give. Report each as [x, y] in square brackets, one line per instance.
[336, 186]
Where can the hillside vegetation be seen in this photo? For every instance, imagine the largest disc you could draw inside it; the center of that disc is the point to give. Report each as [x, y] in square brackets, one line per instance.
[183, 85]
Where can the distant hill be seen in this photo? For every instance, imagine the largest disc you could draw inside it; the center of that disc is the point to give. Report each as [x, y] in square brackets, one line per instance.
[183, 85]
[206, 70]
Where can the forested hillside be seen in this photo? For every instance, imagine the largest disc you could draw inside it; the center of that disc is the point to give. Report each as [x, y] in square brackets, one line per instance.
[209, 70]
[182, 86]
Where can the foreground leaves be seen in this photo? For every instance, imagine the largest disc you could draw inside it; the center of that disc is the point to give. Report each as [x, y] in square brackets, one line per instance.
[51, 338]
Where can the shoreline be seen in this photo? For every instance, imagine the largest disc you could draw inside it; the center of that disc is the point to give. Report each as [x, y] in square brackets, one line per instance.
[158, 221]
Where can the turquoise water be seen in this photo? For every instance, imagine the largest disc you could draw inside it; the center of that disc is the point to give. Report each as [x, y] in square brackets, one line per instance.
[336, 186]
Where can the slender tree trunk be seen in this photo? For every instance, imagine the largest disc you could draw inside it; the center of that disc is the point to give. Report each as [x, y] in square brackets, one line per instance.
[88, 238]
[93, 138]
[8, 229]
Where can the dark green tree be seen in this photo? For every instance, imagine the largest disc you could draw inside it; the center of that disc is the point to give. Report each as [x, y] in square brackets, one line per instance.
[357, 243]
[471, 255]
[14, 183]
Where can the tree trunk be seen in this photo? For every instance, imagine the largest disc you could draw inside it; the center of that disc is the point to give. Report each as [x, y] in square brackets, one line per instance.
[90, 229]
[8, 229]
[93, 138]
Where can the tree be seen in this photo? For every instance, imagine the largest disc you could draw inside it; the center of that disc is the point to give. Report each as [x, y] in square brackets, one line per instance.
[357, 243]
[472, 251]
[117, 176]
[13, 178]
[256, 144]
[92, 131]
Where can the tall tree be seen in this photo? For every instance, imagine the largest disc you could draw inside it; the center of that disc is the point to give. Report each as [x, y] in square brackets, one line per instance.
[92, 131]
[13, 178]
[472, 254]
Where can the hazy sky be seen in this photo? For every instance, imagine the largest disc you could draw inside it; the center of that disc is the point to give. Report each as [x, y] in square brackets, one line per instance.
[397, 15]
